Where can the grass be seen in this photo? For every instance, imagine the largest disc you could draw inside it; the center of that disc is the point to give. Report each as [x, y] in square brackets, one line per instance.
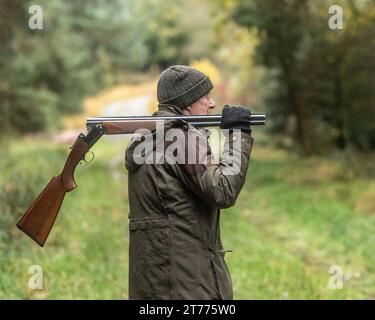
[85, 256]
[294, 219]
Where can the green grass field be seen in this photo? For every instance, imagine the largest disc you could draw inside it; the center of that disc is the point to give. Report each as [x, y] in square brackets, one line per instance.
[293, 220]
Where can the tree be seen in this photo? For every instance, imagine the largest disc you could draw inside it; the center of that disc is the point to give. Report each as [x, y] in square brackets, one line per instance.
[281, 27]
[324, 77]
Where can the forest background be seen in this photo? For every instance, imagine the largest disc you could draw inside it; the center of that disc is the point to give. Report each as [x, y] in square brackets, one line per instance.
[304, 225]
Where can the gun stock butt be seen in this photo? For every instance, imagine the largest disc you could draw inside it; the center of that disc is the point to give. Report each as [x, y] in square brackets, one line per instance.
[39, 218]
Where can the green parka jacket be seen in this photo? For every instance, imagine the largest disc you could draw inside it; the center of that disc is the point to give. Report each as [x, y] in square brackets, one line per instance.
[175, 249]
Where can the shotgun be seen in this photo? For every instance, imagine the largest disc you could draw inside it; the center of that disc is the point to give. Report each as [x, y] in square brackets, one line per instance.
[39, 218]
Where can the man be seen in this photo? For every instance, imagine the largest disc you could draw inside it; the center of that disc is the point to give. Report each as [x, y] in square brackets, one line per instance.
[175, 249]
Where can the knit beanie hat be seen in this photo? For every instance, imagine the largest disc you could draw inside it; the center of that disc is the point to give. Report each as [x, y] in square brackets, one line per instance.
[181, 86]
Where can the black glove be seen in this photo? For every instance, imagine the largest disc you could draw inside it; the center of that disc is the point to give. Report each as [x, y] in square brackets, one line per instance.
[236, 118]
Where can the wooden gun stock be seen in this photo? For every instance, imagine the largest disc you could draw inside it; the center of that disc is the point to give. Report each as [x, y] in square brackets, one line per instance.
[39, 218]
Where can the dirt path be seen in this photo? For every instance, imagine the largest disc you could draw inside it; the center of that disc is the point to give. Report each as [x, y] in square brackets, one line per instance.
[132, 100]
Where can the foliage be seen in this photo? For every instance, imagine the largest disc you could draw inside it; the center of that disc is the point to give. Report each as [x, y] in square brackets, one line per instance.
[83, 46]
[323, 76]
[316, 84]
[208, 68]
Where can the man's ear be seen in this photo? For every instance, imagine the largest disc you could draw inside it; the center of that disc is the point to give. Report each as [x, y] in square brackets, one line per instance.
[186, 110]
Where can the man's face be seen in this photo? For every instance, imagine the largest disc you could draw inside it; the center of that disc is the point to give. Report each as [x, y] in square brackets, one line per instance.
[203, 106]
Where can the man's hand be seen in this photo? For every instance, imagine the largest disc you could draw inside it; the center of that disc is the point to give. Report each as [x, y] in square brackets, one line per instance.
[236, 118]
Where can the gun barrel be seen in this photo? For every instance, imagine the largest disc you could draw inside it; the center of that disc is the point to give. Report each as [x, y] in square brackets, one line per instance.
[197, 120]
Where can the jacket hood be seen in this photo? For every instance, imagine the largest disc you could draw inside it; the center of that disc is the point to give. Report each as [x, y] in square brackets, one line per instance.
[164, 110]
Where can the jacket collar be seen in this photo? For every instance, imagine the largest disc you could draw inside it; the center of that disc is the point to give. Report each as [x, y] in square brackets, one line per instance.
[167, 109]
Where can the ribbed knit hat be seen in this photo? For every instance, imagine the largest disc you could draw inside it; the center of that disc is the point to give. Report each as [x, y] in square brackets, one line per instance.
[181, 86]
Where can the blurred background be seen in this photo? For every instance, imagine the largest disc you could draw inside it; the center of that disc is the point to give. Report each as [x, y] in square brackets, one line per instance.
[304, 224]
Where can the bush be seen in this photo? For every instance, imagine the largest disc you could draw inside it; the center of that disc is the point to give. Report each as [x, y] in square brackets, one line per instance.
[24, 175]
[27, 111]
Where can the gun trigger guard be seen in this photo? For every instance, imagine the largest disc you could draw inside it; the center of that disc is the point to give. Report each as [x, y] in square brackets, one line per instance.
[84, 161]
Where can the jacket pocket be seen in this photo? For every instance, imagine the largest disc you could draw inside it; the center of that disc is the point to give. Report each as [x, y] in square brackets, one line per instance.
[221, 272]
[149, 263]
